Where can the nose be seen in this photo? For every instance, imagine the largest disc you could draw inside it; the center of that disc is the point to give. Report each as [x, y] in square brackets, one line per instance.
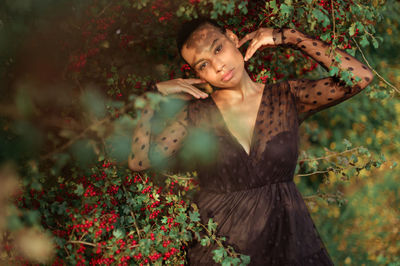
[218, 65]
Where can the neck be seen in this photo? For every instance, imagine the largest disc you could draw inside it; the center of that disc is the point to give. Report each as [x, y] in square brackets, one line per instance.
[240, 91]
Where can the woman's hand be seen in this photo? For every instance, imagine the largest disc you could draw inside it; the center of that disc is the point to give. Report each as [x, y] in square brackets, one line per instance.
[185, 86]
[261, 38]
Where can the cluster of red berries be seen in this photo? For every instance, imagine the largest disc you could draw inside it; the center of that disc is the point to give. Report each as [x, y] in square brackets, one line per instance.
[185, 67]
[125, 40]
[83, 227]
[102, 261]
[113, 189]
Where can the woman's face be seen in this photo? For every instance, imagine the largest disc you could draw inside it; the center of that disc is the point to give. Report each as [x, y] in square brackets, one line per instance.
[214, 56]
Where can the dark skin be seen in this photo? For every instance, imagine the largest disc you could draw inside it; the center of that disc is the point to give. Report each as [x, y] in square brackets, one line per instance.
[217, 60]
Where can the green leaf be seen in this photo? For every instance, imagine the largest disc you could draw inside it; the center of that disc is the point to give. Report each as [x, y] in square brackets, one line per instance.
[118, 233]
[205, 241]
[79, 190]
[354, 158]
[364, 41]
[352, 29]
[321, 17]
[219, 254]
[245, 258]
[286, 10]
[211, 225]
[242, 7]
[326, 36]
[194, 216]
[227, 261]
[334, 71]
[375, 43]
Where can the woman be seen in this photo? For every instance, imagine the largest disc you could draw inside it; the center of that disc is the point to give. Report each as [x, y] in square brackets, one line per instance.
[248, 188]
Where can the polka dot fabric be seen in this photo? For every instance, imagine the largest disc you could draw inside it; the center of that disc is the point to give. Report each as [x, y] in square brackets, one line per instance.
[315, 95]
[252, 196]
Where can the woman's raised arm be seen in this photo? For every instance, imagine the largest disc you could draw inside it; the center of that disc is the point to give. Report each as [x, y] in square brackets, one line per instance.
[157, 138]
[315, 95]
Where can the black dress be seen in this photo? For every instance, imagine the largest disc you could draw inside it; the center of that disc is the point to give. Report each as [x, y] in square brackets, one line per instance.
[252, 197]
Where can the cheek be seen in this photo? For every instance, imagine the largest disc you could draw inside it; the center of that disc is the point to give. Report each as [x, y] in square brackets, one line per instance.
[239, 57]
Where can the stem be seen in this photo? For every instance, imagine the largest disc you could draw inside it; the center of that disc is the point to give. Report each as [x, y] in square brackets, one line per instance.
[376, 73]
[328, 156]
[313, 173]
[320, 195]
[333, 20]
[82, 242]
[133, 216]
[92, 244]
[136, 226]
[104, 9]
[215, 238]
[175, 177]
[107, 119]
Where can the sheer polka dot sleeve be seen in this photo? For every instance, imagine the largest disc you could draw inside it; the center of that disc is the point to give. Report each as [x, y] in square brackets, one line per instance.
[315, 95]
[158, 135]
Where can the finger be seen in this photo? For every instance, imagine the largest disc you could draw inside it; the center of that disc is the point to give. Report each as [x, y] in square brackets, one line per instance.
[254, 45]
[193, 91]
[194, 81]
[246, 38]
[200, 93]
[183, 96]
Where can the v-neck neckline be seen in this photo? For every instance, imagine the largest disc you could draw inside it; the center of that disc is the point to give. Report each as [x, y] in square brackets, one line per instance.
[225, 125]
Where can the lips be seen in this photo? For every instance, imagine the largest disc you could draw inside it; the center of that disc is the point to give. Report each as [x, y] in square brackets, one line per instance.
[227, 76]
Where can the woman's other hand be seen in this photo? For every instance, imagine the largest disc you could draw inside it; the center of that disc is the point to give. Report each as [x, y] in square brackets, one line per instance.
[261, 38]
[183, 88]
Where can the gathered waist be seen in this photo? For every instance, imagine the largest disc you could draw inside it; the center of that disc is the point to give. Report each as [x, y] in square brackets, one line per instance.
[244, 189]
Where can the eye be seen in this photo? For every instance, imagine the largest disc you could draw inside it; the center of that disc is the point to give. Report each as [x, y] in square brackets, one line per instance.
[202, 66]
[218, 49]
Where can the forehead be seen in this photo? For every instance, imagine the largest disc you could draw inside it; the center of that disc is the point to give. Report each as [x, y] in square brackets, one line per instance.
[200, 40]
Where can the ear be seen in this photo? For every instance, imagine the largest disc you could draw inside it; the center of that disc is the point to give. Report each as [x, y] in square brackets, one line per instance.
[232, 36]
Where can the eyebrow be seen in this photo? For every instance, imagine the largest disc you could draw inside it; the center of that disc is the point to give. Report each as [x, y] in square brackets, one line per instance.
[198, 61]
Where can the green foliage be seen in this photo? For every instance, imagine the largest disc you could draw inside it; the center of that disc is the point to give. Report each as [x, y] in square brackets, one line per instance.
[59, 127]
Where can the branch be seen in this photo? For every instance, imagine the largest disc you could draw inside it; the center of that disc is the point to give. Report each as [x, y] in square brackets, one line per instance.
[313, 173]
[366, 61]
[333, 20]
[175, 177]
[82, 242]
[136, 226]
[320, 195]
[328, 156]
[92, 244]
[104, 9]
[85, 131]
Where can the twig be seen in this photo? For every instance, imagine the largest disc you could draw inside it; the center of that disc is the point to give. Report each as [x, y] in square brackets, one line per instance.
[83, 133]
[81, 242]
[133, 216]
[333, 20]
[175, 177]
[104, 9]
[328, 156]
[214, 238]
[320, 195]
[94, 245]
[366, 61]
[136, 226]
[83, 236]
[317, 172]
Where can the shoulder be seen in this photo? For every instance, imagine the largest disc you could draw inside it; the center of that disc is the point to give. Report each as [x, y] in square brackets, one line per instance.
[199, 109]
[278, 89]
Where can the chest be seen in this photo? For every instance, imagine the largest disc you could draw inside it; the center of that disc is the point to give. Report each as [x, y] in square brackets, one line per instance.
[240, 119]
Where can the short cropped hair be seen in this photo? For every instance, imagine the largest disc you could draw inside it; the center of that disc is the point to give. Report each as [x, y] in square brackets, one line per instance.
[190, 26]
